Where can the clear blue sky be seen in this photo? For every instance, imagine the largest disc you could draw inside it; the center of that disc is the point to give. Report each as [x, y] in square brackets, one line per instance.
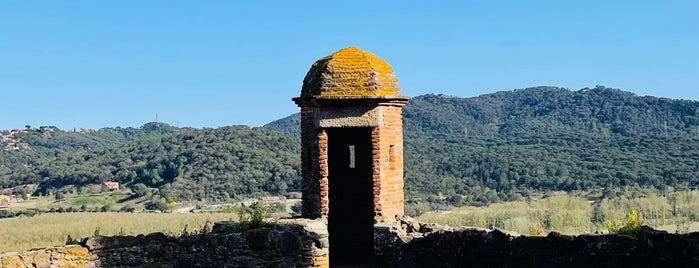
[92, 64]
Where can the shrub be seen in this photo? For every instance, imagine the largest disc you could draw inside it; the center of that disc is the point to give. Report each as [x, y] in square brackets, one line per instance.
[27, 212]
[140, 189]
[296, 209]
[71, 241]
[537, 229]
[127, 208]
[160, 205]
[6, 214]
[277, 207]
[253, 219]
[632, 226]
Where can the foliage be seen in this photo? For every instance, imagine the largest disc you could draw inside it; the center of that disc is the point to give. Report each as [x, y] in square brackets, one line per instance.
[140, 189]
[110, 202]
[632, 226]
[276, 207]
[537, 229]
[254, 217]
[296, 209]
[158, 205]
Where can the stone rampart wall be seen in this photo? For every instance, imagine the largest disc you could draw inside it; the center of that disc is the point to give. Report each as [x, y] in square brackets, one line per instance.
[421, 245]
[287, 243]
[304, 243]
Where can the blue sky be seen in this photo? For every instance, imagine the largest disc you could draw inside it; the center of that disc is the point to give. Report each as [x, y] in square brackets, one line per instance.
[93, 64]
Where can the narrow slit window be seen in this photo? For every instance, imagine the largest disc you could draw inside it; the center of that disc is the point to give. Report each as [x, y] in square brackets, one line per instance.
[351, 156]
[392, 156]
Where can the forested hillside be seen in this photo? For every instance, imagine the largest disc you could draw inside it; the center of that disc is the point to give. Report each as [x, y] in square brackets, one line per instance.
[180, 164]
[19, 164]
[539, 111]
[501, 146]
[508, 145]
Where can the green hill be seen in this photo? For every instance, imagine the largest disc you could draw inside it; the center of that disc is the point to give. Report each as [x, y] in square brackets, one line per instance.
[539, 111]
[502, 146]
[179, 164]
[512, 144]
[18, 164]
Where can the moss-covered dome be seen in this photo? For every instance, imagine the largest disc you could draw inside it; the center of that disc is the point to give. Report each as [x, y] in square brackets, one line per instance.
[350, 73]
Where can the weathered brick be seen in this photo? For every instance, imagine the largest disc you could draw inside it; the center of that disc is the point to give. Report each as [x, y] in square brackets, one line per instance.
[339, 88]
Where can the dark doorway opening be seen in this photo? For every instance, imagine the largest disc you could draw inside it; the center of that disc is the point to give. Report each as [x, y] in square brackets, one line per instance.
[351, 215]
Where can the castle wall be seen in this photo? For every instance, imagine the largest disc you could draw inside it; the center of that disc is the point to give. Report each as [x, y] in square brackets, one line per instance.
[422, 245]
[304, 243]
[287, 243]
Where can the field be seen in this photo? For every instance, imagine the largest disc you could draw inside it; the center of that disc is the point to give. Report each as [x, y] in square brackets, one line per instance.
[49, 229]
[565, 213]
[86, 201]
[673, 212]
[47, 221]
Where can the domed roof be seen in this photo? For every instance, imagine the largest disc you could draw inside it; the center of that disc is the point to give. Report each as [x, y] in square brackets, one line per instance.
[350, 73]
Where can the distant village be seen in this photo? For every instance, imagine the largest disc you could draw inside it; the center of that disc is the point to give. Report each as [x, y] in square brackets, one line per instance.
[11, 140]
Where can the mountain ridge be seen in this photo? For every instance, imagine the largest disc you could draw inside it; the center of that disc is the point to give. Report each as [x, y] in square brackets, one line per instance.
[486, 114]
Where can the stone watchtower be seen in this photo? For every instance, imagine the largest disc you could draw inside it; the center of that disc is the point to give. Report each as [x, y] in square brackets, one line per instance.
[352, 147]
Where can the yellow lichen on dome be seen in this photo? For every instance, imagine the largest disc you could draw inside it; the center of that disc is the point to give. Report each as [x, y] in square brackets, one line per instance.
[350, 73]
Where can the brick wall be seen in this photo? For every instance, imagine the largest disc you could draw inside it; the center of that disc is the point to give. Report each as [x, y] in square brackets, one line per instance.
[310, 175]
[387, 141]
[387, 155]
[323, 172]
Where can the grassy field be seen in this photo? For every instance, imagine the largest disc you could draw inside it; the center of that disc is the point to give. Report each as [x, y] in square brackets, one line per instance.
[51, 229]
[45, 226]
[90, 201]
[569, 214]
[674, 212]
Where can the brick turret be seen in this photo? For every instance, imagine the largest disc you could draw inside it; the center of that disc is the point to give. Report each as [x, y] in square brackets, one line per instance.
[352, 91]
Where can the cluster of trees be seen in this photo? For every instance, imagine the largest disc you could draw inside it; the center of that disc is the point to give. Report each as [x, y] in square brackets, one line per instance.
[496, 147]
